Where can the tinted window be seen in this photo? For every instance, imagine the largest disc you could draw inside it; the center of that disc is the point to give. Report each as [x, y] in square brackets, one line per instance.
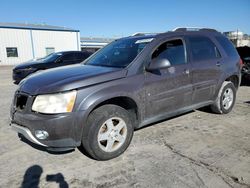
[203, 48]
[82, 56]
[68, 57]
[173, 50]
[52, 57]
[227, 45]
[11, 52]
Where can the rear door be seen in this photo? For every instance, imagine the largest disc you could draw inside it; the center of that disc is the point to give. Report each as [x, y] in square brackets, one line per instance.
[169, 89]
[206, 61]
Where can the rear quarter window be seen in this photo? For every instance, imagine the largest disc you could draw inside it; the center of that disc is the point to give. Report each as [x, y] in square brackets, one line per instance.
[227, 46]
[202, 48]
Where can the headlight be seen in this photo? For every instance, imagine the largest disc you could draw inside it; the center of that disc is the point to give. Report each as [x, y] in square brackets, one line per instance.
[55, 103]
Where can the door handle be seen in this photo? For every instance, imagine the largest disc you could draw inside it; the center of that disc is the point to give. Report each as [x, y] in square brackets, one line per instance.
[186, 71]
[218, 64]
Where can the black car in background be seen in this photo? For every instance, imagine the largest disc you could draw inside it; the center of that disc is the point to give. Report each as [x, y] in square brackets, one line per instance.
[53, 60]
[244, 52]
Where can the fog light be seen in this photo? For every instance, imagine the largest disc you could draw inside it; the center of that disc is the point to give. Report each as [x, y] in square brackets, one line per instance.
[41, 134]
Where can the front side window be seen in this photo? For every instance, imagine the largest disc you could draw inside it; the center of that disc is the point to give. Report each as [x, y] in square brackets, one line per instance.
[173, 51]
[119, 53]
[12, 52]
[203, 48]
[52, 57]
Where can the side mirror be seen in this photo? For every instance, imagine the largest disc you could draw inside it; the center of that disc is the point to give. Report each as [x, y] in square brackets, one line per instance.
[158, 63]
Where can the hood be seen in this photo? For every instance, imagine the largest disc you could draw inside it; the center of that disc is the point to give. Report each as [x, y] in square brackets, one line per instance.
[68, 78]
[28, 64]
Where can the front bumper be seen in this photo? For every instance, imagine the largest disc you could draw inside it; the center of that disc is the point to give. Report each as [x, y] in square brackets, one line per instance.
[63, 129]
[26, 133]
[18, 76]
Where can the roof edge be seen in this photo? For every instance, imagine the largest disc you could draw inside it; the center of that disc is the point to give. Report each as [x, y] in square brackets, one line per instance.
[43, 29]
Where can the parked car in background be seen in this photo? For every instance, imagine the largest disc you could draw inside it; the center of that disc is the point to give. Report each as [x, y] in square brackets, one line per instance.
[51, 61]
[244, 52]
[246, 68]
[128, 84]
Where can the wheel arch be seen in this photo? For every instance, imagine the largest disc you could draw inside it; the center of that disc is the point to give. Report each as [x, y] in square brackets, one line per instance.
[235, 80]
[125, 102]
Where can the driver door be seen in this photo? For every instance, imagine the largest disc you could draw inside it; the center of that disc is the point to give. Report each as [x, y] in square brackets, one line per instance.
[169, 89]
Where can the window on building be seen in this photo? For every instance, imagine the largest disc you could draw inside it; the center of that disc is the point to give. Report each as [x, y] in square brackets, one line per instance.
[49, 50]
[203, 49]
[172, 50]
[11, 52]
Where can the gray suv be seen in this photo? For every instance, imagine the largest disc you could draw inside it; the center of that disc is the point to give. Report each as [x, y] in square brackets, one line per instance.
[130, 83]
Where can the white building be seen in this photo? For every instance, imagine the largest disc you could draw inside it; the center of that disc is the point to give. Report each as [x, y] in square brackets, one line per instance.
[23, 42]
[94, 44]
[238, 38]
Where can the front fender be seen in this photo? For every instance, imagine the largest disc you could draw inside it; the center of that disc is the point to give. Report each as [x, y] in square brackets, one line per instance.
[90, 98]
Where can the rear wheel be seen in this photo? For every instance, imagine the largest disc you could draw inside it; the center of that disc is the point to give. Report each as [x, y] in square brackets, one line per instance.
[108, 132]
[225, 99]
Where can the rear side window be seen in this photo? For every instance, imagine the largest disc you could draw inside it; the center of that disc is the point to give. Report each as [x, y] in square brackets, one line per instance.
[172, 50]
[227, 46]
[82, 56]
[203, 49]
[69, 57]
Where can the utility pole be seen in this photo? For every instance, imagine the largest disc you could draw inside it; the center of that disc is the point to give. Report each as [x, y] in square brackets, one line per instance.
[237, 38]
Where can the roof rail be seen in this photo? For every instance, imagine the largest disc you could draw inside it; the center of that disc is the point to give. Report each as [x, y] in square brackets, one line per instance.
[143, 34]
[182, 29]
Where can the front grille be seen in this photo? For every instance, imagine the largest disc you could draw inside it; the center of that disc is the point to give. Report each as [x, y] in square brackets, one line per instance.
[21, 101]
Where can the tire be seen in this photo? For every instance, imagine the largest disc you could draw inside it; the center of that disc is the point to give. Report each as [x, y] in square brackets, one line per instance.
[225, 100]
[107, 133]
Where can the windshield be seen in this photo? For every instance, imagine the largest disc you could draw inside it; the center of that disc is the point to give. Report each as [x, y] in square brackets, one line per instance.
[51, 57]
[119, 53]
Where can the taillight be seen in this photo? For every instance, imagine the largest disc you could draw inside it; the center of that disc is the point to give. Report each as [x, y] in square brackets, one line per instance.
[241, 63]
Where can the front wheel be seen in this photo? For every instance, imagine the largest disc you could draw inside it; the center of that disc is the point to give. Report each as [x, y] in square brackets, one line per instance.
[108, 132]
[225, 99]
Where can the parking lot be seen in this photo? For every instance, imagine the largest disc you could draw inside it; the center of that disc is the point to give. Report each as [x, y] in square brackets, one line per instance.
[197, 149]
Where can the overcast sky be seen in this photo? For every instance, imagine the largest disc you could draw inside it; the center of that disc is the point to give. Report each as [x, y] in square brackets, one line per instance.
[115, 18]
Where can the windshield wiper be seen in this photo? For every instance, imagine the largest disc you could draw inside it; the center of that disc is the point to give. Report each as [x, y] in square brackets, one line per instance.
[105, 65]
